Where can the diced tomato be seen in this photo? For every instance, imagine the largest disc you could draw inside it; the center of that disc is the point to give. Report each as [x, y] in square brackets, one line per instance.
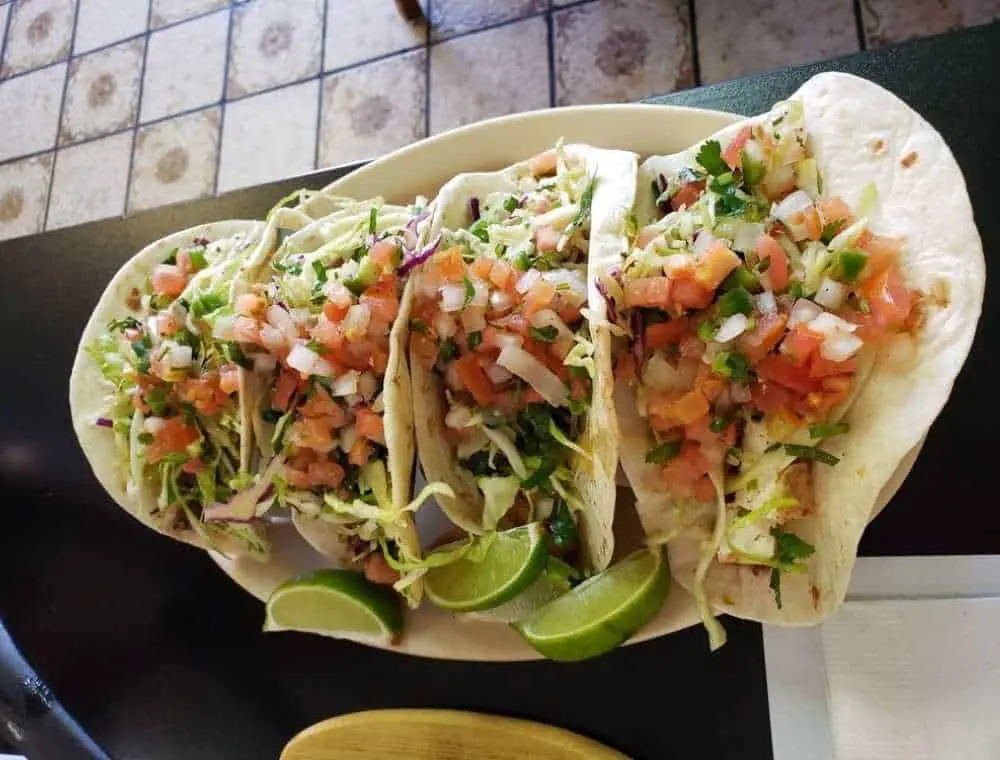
[321, 404]
[369, 424]
[835, 210]
[663, 334]
[672, 409]
[384, 306]
[326, 473]
[249, 304]
[800, 344]
[288, 383]
[648, 291]
[820, 367]
[837, 384]
[543, 165]
[503, 275]
[474, 379]
[448, 265]
[569, 311]
[776, 276]
[334, 312]
[888, 298]
[703, 490]
[691, 347]
[685, 469]
[715, 265]
[168, 280]
[314, 433]
[329, 334]
[700, 430]
[378, 360]
[482, 266]
[814, 224]
[386, 254]
[193, 466]
[297, 478]
[779, 369]
[757, 343]
[246, 330]
[547, 238]
[203, 392]
[690, 294]
[732, 154]
[686, 195]
[769, 397]
[229, 379]
[539, 296]
[360, 452]
[172, 437]
[882, 252]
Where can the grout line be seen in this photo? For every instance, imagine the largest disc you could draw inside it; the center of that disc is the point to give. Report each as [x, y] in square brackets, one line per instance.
[695, 54]
[225, 86]
[6, 33]
[551, 45]
[319, 83]
[138, 105]
[427, 72]
[859, 25]
[62, 110]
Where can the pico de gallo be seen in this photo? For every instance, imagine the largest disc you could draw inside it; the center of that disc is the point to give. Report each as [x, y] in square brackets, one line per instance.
[175, 407]
[500, 315]
[754, 306]
[316, 338]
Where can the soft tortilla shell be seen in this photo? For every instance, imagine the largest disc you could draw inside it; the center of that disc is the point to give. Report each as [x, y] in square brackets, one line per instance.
[88, 389]
[922, 199]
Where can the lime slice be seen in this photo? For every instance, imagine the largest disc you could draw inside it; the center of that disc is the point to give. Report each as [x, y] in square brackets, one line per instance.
[603, 611]
[512, 563]
[337, 603]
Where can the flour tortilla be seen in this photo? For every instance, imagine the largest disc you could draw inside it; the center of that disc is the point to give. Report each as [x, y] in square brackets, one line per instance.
[860, 134]
[614, 195]
[88, 389]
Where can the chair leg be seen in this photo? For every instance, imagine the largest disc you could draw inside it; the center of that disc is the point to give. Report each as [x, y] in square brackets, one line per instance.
[411, 10]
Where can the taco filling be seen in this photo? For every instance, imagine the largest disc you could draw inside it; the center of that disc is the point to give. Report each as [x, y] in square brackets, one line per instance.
[756, 304]
[499, 317]
[175, 407]
[317, 335]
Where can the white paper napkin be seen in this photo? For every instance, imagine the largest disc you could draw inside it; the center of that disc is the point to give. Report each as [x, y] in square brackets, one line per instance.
[908, 668]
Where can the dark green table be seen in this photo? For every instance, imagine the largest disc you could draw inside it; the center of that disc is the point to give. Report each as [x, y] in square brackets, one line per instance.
[157, 654]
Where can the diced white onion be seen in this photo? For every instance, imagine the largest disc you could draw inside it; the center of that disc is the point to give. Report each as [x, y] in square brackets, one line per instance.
[273, 339]
[803, 311]
[501, 301]
[482, 295]
[534, 373]
[570, 284]
[356, 321]
[504, 339]
[528, 279]
[830, 324]
[453, 297]
[223, 327]
[766, 302]
[557, 218]
[348, 435]
[153, 424]
[460, 416]
[731, 328]
[445, 326]
[338, 293]
[548, 318]
[346, 384]
[282, 320]
[793, 203]
[746, 234]
[304, 360]
[702, 243]
[176, 355]
[841, 347]
[497, 374]
[660, 375]
[473, 319]
[831, 294]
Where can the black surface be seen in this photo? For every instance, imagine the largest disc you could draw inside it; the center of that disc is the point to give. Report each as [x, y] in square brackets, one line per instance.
[158, 654]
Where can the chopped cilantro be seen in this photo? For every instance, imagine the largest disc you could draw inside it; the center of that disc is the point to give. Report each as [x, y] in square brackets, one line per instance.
[753, 171]
[475, 338]
[732, 365]
[197, 257]
[207, 303]
[812, 453]
[735, 301]
[562, 527]
[663, 452]
[271, 415]
[470, 291]
[831, 230]
[828, 430]
[448, 350]
[479, 229]
[320, 271]
[509, 204]
[546, 334]
[373, 221]
[418, 325]
[710, 157]
[523, 261]
[128, 323]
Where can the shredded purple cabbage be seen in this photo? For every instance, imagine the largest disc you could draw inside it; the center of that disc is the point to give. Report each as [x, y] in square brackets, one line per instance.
[474, 208]
[663, 206]
[609, 302]
[104, 422]
[637, 330]
[421, 256]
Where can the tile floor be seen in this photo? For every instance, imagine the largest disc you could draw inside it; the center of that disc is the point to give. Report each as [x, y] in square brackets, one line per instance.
[113, 106]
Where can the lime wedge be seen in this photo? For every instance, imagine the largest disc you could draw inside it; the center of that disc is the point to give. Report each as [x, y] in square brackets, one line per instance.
[337, 603]
[512, 563]
[603, 611]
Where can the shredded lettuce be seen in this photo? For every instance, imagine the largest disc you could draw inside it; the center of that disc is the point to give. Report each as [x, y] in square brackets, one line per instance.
[559, 480]
[558, 435]
[106, 355]
[582, 355]
[499, 493]
[499, 439]
[716, 633]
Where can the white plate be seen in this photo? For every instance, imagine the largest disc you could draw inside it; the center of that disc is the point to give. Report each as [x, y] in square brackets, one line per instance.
[422, 168]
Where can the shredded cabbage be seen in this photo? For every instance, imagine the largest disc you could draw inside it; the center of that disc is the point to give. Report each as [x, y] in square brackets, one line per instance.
[559, 436]
[509, 449]
[498, 497]
[582, 355]
[716, 633]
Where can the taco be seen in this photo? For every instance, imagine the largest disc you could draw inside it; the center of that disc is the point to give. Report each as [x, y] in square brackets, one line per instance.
[801, 296]
[329, 398]
[510, 348]
[156, 394]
